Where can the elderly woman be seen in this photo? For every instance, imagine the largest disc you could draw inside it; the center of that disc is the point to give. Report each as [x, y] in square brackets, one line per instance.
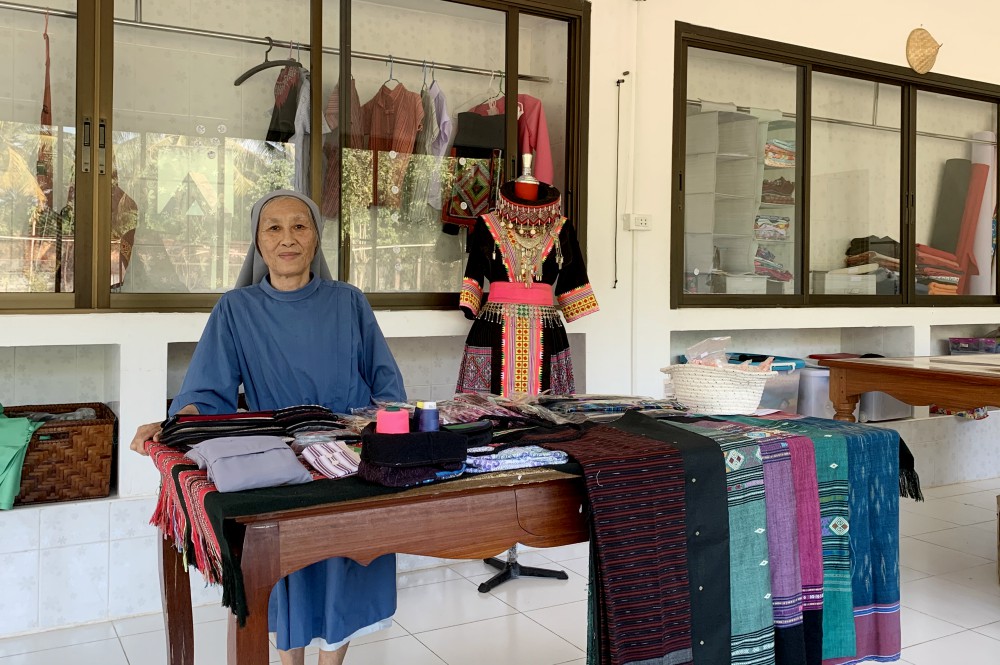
[293, 336]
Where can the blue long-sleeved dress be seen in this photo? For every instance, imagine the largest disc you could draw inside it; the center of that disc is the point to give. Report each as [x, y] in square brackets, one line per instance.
[321, 345]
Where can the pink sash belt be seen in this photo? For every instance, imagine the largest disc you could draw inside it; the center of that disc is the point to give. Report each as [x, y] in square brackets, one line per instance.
[517, 293]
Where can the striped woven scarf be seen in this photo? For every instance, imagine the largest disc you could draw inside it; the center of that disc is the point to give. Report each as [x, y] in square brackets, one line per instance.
[635, 486]
[752, 639]
[833, 484]
[873, 454]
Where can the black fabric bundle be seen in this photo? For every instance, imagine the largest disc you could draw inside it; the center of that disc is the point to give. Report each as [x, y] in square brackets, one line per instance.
[183, 430]
[404, 460]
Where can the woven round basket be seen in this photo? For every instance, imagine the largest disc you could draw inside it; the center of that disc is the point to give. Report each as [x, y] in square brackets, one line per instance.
[921, 51]
[716, 391]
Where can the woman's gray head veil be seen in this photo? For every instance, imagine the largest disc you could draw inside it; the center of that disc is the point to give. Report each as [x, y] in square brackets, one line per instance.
[254, 269]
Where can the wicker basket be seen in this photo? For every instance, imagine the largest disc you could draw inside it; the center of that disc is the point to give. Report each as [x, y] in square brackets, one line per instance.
[718, 390]
[67, 460]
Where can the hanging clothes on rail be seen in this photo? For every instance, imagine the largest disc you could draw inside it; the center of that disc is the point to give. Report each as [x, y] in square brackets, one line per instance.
[286, 102]
[518, 343]
[303, 128]
[532, 131]
[391, 120]
[477, 170]
[422, 165]
[441, 142]
[331, 146]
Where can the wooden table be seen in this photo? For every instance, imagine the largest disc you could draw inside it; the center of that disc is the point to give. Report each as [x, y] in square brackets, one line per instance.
[953, 382]
[464, 519]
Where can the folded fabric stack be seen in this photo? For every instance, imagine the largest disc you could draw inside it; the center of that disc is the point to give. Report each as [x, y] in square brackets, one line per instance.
[334, 459]
[771, 227]
[883, 252]
[778, 191]
[187, 430]
[887, 262]
[938, 272]
[764, 263]
[779, 154]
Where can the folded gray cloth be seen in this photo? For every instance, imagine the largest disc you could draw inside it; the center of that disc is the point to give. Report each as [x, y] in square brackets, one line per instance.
[83, 413]
[236, 463]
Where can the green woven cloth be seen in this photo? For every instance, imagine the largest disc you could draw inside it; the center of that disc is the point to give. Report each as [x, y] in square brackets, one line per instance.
[15, 433]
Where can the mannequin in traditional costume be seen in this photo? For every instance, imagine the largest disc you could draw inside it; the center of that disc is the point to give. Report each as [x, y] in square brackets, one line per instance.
[529, 253]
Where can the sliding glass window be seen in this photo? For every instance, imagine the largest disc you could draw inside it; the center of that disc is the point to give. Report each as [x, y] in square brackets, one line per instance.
[38, 136]
[192, 151]
[955, 194]
[855, 233]
[426, 146]
[810, 178]
[740, 184]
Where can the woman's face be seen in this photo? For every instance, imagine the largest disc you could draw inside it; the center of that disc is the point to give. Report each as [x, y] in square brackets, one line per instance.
[287, 238]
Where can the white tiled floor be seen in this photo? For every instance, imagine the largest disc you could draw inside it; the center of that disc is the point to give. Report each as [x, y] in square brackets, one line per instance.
[950, 597]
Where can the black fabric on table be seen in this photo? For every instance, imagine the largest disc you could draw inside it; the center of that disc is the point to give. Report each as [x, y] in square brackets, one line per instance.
[707, 523]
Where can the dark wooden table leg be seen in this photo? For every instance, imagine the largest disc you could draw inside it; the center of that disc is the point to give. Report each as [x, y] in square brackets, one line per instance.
[844, 402]
[176, 591]
[261, 554]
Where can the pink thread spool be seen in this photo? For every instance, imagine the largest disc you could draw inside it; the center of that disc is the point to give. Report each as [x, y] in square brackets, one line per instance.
[392, 421]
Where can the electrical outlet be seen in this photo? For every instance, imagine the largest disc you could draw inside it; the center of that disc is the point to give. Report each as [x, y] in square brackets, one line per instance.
[638, 222]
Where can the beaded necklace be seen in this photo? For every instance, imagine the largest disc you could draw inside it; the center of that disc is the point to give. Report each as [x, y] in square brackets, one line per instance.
[525, 234]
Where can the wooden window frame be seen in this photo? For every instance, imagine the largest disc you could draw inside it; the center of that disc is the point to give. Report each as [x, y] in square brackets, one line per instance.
[95, 72]
[807, 61]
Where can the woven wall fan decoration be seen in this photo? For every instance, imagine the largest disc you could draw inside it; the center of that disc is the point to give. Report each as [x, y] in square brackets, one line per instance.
[921, 50]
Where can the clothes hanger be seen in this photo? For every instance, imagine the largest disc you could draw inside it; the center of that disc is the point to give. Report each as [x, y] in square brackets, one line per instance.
[496, 95]
[423, 68]
[391, 77]
[267, 64]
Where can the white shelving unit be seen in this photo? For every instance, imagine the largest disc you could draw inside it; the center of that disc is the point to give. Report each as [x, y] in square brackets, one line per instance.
[720, 194]
[725, 171]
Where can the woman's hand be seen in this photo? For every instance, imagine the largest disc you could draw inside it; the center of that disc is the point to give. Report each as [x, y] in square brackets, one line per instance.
[150, 432]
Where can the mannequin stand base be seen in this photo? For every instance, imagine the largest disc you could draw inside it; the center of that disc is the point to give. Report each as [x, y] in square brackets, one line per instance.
[511, 570]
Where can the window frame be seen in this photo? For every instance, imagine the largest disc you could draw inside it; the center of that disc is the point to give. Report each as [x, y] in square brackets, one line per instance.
[95, 81]
[808, 61]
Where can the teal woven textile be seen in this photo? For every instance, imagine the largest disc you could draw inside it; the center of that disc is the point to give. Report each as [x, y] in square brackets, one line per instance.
[752, 639]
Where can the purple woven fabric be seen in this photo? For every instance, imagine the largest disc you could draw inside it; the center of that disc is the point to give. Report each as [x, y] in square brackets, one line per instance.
[783, 552]
[807, 512]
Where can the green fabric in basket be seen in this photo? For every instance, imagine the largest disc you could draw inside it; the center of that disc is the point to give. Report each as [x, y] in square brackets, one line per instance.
[15, 433]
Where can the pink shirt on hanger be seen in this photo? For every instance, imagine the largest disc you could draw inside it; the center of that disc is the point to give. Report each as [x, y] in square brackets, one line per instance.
[532, 132]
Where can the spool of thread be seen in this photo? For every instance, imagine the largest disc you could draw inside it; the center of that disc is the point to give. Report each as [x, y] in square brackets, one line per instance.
[415, 418]
[429, 420]
[392, 420]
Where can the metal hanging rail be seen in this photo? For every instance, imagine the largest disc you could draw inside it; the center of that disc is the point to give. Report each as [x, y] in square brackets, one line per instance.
[863, 125]
[247, 39]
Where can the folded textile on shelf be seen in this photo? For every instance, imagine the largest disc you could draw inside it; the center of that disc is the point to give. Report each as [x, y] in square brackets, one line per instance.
[778, 186]
[885, 246]
[779, 154]
[771, 227]
[937, 289]
[764, 264]
[887, 262]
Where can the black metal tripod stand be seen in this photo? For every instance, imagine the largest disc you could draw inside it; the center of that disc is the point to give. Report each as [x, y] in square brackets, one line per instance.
[511, 570]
